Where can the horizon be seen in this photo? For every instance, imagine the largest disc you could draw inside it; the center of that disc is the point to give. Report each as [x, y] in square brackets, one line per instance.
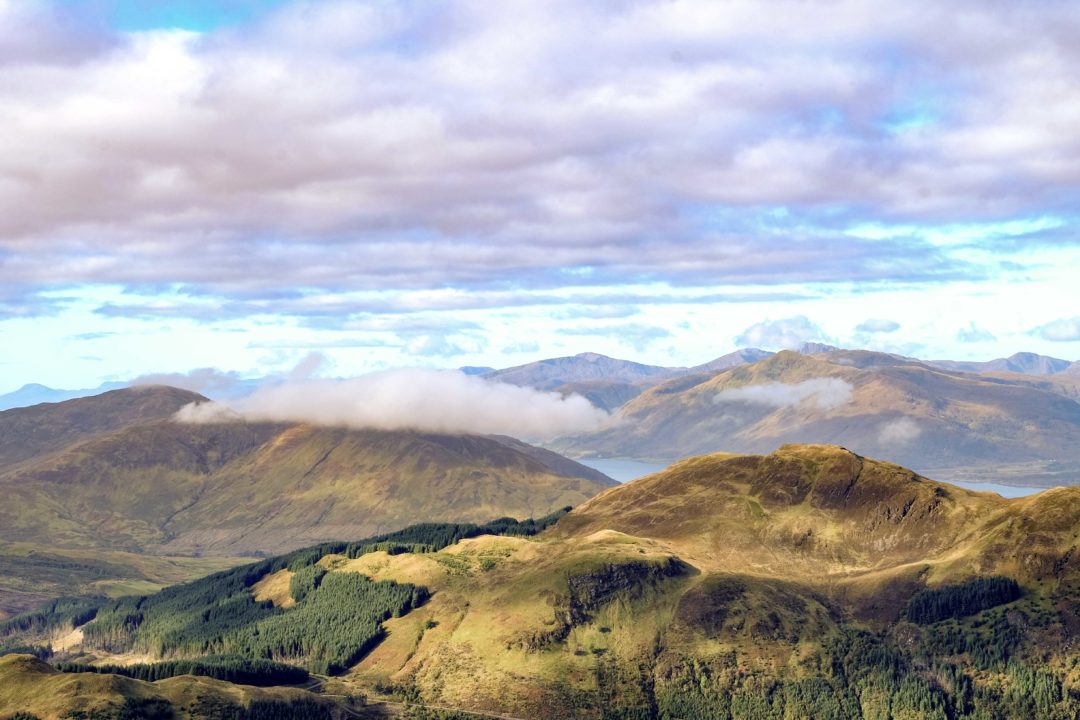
[236, 185]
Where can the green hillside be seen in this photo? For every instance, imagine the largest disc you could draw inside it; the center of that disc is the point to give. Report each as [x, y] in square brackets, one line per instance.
[810, 582]
[159, 486]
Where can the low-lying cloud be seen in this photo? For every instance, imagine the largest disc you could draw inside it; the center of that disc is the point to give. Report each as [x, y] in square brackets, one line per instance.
[824, 393]
[444, 401]
[899, 432]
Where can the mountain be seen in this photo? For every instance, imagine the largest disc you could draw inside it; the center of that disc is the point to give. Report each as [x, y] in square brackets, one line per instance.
[1024, 363]
[811, 582]
[934, 420]
[745, 356]
[115, 471]
[585, 367]
[34, 394]
[45, 428]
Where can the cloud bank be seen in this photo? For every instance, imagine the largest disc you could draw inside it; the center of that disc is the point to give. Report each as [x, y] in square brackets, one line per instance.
[478, 145]
[428, 400]
[823, 393]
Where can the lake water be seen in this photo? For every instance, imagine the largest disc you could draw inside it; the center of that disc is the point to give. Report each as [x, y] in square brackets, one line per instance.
[625, 470]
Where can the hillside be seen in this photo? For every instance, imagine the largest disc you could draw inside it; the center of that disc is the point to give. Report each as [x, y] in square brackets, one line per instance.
[811, 582]
[240, 488]
[1004, 427]
[48, 427]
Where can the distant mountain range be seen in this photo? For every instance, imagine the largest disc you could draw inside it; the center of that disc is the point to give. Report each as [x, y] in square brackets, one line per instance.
[1011, 427]
[607, 382]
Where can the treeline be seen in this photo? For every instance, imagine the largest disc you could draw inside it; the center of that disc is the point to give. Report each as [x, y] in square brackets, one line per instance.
[64, 612]
[861, 677]
[204, 708]
[961, 600]
[231, 668]
[337, 620]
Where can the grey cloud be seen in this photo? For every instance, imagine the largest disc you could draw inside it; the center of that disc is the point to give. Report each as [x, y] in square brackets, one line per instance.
[877, 326]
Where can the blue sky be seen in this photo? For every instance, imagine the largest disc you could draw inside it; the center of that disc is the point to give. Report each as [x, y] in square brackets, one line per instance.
[404, 183]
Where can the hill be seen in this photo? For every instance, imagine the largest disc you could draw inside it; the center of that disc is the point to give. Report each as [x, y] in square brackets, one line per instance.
[130, 480]
[1024, 363]
[48, 427]
[811, 582]
[1005, 427]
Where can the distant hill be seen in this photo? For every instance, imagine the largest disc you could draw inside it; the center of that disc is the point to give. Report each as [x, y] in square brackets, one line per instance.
[585, 367]
[45, 428]
[1002, 427]
[1024, 363]
[35, 393]
[115, 471]
[811, 582]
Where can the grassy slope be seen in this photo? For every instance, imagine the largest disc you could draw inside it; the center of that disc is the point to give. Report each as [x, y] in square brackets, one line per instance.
[31, 574]
[235, 488]
[29, 685]
[781, 553]
[965, 421]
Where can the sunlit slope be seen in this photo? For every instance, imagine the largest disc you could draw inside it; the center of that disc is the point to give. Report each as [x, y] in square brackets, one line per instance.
[31, 686]
[878, 405]
[758, 566]
[237, 488]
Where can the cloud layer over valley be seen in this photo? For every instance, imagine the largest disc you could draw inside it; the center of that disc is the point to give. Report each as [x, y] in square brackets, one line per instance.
[428, 400]
[824, 393]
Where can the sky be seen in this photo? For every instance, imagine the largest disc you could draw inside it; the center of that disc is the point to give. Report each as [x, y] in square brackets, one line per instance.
[399, 183]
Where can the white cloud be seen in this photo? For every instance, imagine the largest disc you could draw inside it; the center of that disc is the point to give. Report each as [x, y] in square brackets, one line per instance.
[428, 400]
[974, 334]
[1064, 330]
[899, 432]
[787, 333]
[824, 393]
[877, 325]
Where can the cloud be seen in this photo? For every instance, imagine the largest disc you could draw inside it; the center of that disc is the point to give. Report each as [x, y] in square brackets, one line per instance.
[635, 335]
[409, 146]
[780, 334]
[899, 432]
[211, 382]
[1064, 330]
[877, 326]
[824, 393]
[974, 334]
[427, 400]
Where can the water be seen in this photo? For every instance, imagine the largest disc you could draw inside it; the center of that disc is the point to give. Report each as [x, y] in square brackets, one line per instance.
[1009, 491]
[625, 470]
[622, 469]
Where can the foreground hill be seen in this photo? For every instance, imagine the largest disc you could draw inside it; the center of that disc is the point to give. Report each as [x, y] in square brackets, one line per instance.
[1017, 428]
[237, 488]
[808, 583]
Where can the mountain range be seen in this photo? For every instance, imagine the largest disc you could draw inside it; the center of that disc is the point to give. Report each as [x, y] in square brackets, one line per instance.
[1016, 428]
